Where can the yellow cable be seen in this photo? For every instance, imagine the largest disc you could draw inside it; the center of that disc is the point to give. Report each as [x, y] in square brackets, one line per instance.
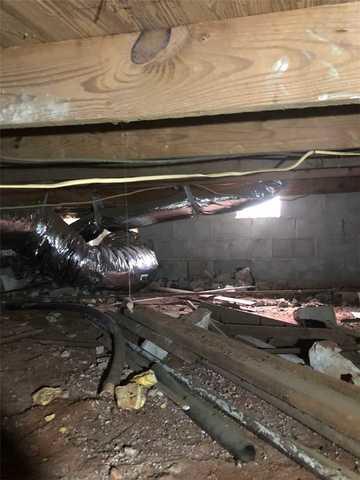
[103, 199]
[84, 202]
[153, 178]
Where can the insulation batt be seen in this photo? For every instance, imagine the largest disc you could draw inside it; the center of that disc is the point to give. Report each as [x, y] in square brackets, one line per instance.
[46, 238]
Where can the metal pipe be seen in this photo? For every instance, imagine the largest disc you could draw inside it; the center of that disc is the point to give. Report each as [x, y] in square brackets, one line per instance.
[175, 384]
[220, 426]
[332, 402]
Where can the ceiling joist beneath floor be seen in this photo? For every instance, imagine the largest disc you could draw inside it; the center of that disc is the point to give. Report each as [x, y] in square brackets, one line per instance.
[38, 21]
[293, 59]
[246, 134]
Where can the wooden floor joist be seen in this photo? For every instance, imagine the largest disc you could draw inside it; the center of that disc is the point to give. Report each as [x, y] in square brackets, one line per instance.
[297, 183]
[294, 59]
[247, 134]
[36, 21]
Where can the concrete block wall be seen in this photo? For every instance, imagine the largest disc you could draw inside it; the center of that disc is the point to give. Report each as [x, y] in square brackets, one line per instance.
[314, 244]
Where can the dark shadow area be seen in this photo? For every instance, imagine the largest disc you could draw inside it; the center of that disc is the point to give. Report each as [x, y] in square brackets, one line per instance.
[14, 462]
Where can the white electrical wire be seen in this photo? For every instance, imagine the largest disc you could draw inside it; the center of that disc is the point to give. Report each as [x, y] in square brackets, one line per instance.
[153, 178]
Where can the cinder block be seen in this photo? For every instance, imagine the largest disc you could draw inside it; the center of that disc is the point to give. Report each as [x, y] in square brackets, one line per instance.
[352, 225]
[200, 228]
[303, 247]
[242, 227]
[196, 268]
[197, 249]
[343, 204]
[262, 270]
[336, 247]
[226, 227]
[334, 271]
[173, 269]
[229, 266]
[312, 206]
[351, 277]
[261, 248]
[165, 249]
[262, 227]
[309, 273]
[282, 247]
[158, 230]
[279, 273]
[321, 227]
[183, 229]
[273, 228]
[240, 247]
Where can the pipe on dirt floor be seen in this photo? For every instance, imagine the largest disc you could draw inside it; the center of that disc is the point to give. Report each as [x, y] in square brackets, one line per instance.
[175, 384]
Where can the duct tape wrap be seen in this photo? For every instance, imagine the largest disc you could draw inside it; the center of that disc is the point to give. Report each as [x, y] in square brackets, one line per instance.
[45, 237]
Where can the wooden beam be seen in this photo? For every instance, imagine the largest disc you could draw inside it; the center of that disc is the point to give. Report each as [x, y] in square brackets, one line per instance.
[35, 21]
[245, 134]
[339, 181]
[332, 402]
[296, 59]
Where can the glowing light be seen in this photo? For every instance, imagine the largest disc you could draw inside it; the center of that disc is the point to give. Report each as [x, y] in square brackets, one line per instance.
[268, 209]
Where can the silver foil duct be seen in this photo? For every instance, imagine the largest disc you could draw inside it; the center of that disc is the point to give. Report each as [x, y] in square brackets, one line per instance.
[184, 204]
[45, 237]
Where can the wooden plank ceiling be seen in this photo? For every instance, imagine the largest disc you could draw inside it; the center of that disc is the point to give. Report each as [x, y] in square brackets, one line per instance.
[294, 59]
[42, 21]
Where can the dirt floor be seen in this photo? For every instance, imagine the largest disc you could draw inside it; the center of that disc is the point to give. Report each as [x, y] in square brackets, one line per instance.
[85, 436]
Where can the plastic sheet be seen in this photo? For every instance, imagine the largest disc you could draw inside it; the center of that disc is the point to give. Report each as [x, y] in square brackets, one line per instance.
[45, 237]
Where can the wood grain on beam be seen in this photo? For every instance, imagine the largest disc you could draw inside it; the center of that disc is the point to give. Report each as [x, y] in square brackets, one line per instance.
[244, 134]
[300, 58]
[36, 21]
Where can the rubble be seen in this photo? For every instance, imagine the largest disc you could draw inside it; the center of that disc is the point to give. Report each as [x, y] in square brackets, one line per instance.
[50, 417]
[200, 317]
[145, 379]
[313, 315]
[130, 397]
[64, 292]
[115, 474]
[100, 350]
[326, 357]
[154, 349]
[240, 277]
[130, 451]
[97, 436]
[349, 298]
[46, 395]
[53, 317]
[243, 277]
[9, 281]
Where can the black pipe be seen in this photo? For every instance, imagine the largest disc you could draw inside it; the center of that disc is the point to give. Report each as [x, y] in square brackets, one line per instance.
[220, 426]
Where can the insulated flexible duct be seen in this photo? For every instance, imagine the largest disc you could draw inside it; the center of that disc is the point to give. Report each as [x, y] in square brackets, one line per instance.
[181, 204]
[45, 237]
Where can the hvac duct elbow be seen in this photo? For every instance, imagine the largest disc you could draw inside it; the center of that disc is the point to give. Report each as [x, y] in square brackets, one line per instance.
[68, 258]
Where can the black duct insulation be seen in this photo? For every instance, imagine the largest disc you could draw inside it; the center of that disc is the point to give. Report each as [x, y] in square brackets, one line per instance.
[180, 205]
[46, 238]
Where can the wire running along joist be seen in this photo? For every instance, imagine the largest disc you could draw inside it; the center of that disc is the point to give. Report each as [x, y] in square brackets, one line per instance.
[155, 178]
